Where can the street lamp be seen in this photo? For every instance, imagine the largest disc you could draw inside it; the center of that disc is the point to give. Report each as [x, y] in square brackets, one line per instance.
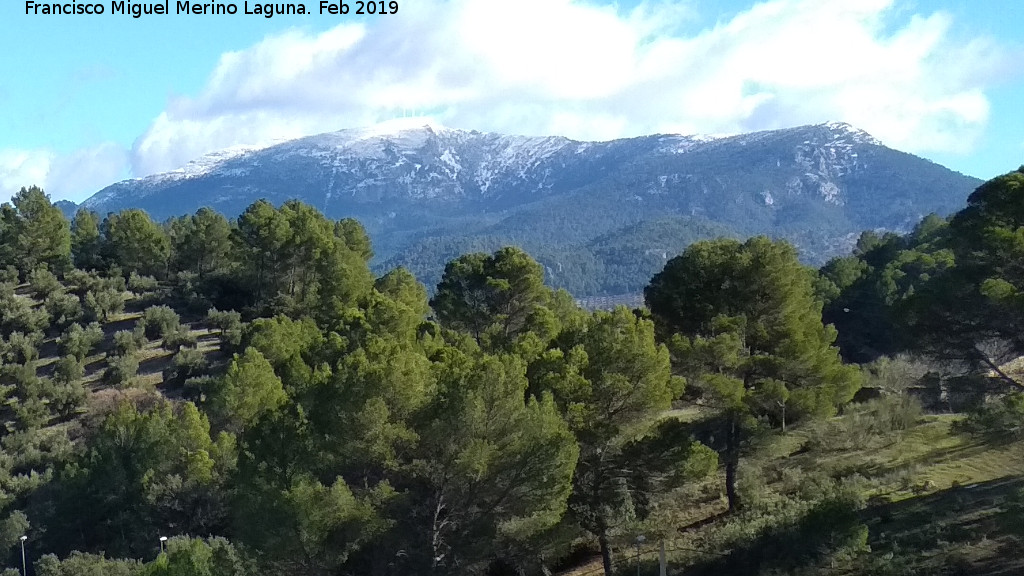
[639, 540]
[162, 540]
[24, 565]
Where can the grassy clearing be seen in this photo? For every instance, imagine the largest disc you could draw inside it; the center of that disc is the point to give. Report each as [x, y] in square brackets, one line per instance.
[937, 502]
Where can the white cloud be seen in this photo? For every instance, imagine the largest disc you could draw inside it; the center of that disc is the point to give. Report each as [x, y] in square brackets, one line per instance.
[20, 168]
[73, 176]
[591, 72]
[78, 175]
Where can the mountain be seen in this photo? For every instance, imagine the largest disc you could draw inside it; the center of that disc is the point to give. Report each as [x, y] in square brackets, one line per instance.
[601, 216]
[67, 207]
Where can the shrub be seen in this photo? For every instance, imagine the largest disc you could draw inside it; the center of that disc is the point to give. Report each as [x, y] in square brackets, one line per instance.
[102, 302]
[139, 333]
[23, 348]
[198, 388]
[868, 423]
[798, 536]
[114, 280]
[79, 281]
[1001, 420]
[9, 275]
[753, 487]
[80, 563]
[125, 342]
[68, 369]
[26, 383]
[78, 341]
[63, 309]
[187, 289]
[229, 323]
[159, 321]
[31, 414]
[224, 319]
[896, 375]
[122, 370]
[67, 397]
[890, 413]
[179, 338]
[43, 283]
[191, 361]
[834, 526]
[141, 284]
[791, 479]
[19, 316]
[187, 363]
[139, 330]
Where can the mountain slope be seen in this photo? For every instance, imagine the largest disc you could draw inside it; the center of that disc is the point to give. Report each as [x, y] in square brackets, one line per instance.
[426, 193]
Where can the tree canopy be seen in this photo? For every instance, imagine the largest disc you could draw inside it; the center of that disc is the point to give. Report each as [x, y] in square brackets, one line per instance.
[255, 393]
[745, 328]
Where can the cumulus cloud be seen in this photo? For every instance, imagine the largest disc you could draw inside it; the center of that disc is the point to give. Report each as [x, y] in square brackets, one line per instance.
[20, 168]
[595, 72]
[72, 176]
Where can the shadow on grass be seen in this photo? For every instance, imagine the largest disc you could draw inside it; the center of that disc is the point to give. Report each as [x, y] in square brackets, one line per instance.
[962, 451]
[960, 530]
[970, 530]
[156, 363]
[109, 328]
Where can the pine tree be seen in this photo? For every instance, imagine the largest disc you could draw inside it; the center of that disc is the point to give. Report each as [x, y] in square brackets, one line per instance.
[745, 328]
[135, 243]
[42, 234]
[611, 380]
[86, 242]
[496, 298]
[974, 312]
[201, 243]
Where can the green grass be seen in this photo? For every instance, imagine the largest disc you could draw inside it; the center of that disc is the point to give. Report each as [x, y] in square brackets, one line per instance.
[938, 502]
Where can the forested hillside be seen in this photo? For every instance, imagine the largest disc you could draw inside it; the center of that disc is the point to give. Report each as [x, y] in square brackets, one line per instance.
[207, 397]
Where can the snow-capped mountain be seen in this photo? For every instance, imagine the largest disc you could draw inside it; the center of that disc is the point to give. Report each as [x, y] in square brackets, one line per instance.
[393, 161]
[426, 192]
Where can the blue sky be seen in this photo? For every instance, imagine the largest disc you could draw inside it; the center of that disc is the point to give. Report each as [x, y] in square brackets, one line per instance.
[88, 100]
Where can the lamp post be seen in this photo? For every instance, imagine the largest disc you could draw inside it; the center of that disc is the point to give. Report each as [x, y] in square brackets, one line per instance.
[162, 540]
[24, 565]
[639, 540]
[662, 568]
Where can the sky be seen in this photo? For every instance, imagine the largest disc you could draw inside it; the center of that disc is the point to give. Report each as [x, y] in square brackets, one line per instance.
[87, 100]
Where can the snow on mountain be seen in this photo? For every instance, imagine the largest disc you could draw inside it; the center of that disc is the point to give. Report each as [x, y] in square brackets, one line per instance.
[430, 161]
[417, 185]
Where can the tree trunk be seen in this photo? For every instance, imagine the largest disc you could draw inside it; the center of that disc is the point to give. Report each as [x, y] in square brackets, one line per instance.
[1000, 374]
[732, 461]
[606, 553]
[437, 544]
[730, 483]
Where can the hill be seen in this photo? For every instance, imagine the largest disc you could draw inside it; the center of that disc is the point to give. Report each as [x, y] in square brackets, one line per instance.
[594, 213]
[251, 393]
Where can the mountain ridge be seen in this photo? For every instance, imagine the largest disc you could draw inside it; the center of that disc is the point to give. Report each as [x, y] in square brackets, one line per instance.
[376, 141]
[425, 191]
